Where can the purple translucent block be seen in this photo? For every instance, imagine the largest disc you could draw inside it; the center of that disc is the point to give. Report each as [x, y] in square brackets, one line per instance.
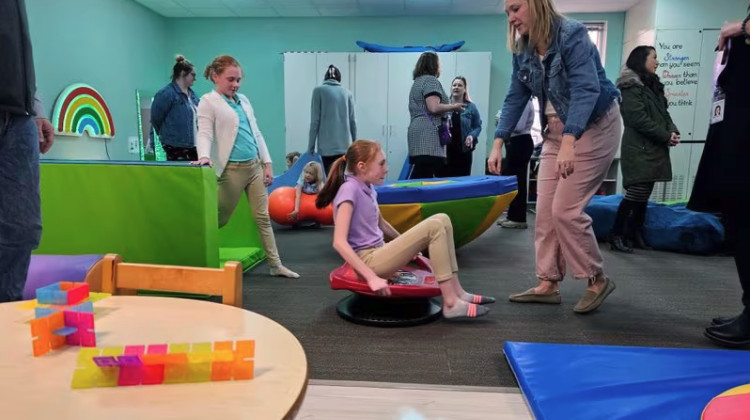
[125, 361]
[106, 361]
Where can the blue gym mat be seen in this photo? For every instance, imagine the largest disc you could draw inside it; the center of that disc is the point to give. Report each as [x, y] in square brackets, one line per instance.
[569, 381]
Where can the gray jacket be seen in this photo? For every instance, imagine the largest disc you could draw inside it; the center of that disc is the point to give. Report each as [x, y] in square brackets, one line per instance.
[17, 65]
[332, 121]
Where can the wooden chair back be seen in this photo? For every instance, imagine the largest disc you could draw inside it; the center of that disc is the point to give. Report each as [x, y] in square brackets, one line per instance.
[120, 278]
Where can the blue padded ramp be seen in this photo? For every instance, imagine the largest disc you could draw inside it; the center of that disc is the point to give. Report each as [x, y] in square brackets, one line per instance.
[566, 381]
[444, 189]
[290, 177]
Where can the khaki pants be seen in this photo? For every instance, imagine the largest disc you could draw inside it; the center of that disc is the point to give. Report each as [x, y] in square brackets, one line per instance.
[435, 233]
[563, 234]
[248, 176]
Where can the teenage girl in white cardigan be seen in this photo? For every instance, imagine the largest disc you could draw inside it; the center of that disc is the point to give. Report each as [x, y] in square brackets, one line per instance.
[228, 133]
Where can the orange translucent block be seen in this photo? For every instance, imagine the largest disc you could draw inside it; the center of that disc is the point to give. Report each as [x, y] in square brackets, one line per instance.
[243, 369]
[176, 368]
[43, 339]
[223, 345]
[246, 348]
[221, 369]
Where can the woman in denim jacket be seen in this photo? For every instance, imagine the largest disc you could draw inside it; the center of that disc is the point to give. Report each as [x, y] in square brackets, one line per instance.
[555, 60]
[173, 115]
[465, 128]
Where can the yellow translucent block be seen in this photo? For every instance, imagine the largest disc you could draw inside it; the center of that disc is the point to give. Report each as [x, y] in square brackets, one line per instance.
[201, 348]
[199, 366]
[107, 376]
[113, 351]
[86, 356]
[179, 348]
[84, 378]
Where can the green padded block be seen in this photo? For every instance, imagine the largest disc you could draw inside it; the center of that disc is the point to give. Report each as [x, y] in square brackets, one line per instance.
[248, 256]
[466, 215]
[146, 212]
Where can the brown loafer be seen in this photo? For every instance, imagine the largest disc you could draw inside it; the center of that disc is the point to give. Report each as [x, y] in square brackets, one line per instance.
[530, 296]
[592, 300]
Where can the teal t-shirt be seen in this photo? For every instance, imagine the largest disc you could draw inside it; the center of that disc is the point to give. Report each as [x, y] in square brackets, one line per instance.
[245, 147]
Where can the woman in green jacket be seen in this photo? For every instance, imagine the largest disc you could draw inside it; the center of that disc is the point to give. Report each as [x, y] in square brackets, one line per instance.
[649, 132]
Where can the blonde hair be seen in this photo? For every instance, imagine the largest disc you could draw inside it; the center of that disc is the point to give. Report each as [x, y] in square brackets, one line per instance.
[542, 15]
[317, 172]
[467, 98]
[220, 64]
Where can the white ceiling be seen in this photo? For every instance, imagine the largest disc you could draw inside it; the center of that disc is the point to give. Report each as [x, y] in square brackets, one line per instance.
[318, 8]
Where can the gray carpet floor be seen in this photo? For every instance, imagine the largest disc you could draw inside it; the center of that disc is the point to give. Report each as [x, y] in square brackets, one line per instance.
[662, 300]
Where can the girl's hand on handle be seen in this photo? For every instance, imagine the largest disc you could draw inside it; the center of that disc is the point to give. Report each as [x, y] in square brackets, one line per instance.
[379, 285]
[202, 161]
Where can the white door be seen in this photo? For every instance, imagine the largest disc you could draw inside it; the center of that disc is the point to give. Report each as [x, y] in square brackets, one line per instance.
[400, 71]
[299, 81]
[371, 96]
[475, 67]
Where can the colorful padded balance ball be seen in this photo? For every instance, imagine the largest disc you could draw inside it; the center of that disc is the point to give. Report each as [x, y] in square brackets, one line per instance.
[164, 364]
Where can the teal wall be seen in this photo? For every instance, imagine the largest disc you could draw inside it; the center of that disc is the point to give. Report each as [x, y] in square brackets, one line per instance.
[119, 46]
[116, 46]
[258, 43]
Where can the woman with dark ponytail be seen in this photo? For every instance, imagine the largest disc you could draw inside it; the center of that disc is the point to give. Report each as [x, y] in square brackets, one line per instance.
[649, 133]
[333, 125]
[359, 231]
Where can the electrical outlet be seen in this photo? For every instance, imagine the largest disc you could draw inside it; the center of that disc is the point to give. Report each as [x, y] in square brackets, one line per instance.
[133, 145]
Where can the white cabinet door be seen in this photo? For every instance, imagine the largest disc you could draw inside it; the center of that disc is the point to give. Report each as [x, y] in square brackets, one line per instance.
[299, 80]
[341, 61]
[475, 67]
[400, 70]
[371, 96]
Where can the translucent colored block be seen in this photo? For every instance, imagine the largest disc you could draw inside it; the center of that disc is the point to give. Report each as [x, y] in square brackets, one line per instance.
[86, 356]
[105, 361]
[153, 368]
[65, 331]
[246, 348]
[40, 347]
[179, 348]
[86, 320]
[88, 339]
[85, 377]
[135, 350]
[176, 368]
[224, 345]
[108, 376]
[113, 351]
[157, 349]
[131, 370]
[243, 370]
[221, 369]
[84, 307]
[40, 312]
[201, 348]
[199, 366]
[77, 293]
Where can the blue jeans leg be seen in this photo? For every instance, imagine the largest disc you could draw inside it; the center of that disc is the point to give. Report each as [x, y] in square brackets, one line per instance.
[20, 206]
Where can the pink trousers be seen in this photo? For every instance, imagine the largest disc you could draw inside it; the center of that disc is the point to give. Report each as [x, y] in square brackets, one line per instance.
[564, 236]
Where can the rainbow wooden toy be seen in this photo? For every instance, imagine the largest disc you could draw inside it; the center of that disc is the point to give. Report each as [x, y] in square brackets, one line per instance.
[70, 321]
[164, 364]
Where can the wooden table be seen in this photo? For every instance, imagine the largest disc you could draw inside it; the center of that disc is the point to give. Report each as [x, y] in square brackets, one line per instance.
[39, 388]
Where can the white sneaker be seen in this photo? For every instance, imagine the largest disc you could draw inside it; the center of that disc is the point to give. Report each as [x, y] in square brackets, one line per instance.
[509, 224]
[282, 271]
[501, 219]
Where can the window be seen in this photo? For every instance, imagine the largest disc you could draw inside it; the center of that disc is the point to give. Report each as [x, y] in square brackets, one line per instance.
[598, 35]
